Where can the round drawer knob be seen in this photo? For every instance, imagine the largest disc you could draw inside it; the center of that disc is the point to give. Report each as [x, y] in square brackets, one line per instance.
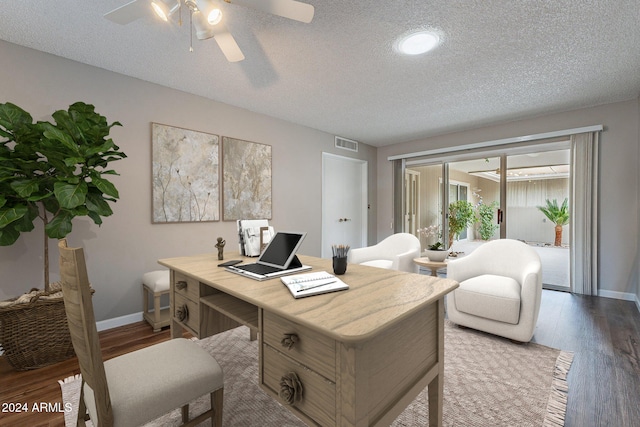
[182, 313]
[290, 388]
[288, 340]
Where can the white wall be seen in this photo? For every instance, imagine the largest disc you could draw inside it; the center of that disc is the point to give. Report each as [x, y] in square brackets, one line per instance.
[618, 181]
[127, 244]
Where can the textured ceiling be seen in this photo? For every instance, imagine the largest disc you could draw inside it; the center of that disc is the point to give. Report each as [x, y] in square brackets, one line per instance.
[498, 60]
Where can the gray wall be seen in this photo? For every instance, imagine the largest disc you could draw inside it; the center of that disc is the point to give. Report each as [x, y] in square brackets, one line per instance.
[637, 253]
[127, 244]
[618, 182]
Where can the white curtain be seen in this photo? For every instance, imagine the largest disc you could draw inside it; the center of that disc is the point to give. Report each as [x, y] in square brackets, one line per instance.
[584, 213]
[523, 199]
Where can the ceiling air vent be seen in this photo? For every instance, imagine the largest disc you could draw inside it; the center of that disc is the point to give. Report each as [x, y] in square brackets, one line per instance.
[346, 144]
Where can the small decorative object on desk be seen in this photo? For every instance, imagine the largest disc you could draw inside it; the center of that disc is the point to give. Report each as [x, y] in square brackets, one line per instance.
[340, 258]
[220, 246]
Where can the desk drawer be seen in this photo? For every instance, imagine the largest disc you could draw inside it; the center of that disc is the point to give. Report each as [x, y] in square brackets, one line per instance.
[318, 394]
[187, 286]
[311, 349]
[189, 317]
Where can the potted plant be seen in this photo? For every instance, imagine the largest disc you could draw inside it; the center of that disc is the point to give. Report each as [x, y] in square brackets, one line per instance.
[435, 251]
[51, 172]
[461, 217]
[485, 214]
[559, 215]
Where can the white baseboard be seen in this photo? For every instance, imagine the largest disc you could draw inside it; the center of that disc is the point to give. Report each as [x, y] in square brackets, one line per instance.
[627, 296]
[119, 321]
[128, 319]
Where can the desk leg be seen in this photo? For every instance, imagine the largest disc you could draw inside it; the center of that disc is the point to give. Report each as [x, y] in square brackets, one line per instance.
[436, 401]
[176, 329]
[436, 386]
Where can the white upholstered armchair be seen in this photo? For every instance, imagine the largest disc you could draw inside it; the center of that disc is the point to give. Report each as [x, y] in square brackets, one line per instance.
[500, 289]
[396, 252]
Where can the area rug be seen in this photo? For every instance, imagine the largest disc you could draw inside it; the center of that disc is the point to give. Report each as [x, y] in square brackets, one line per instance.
[489, 381]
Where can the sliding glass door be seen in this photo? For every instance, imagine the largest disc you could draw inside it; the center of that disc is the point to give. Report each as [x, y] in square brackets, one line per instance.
[538, 200]
[493, 197]
[474, 202]
[423, 201]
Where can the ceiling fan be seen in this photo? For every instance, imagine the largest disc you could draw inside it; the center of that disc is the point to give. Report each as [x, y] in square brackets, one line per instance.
[207, 18]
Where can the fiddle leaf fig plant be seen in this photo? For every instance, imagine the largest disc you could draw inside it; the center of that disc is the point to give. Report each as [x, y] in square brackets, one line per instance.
[54, 172]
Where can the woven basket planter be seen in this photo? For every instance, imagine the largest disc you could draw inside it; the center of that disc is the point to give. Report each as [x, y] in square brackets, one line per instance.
[34, 334]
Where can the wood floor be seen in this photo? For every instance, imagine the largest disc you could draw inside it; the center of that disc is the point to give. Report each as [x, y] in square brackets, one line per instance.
[604, 334]
[41, 385]
[604, 381]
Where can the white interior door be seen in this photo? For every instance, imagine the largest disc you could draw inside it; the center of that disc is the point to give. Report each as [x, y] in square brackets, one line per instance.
[344, 202]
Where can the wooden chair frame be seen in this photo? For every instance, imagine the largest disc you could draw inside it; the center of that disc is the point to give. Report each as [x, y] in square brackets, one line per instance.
[86, 343]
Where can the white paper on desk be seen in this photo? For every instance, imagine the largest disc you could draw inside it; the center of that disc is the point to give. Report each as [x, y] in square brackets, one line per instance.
[316, 283]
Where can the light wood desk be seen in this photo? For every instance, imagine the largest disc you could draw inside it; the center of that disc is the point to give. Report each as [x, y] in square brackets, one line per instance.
[362, 355]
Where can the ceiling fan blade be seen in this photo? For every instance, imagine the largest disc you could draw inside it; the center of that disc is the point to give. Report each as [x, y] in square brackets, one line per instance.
[128, 12]
[291, 9]
[227, 43]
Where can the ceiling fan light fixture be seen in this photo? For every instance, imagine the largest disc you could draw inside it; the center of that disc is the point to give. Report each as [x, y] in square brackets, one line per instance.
[418, 42]
[160, 8]
[214, 17]
[207, 7]
[206, 19]
[175, 8]
[204, 31]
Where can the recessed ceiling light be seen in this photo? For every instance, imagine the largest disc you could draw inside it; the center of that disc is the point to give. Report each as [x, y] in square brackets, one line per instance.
[417, 43]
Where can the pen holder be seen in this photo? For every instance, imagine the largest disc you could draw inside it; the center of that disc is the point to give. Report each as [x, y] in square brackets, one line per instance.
[339, 265]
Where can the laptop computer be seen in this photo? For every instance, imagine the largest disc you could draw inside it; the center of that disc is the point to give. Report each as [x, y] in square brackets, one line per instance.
[278, 258]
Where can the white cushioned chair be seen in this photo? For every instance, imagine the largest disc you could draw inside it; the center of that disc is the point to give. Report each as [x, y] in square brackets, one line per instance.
[137, 387]
[500, 289]
[396, 252]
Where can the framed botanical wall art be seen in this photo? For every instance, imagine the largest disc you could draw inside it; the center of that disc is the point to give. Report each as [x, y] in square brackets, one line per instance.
[186, 183]
[246, 180]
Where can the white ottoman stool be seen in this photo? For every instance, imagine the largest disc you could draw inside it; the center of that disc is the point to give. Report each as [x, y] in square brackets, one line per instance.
[156, 283]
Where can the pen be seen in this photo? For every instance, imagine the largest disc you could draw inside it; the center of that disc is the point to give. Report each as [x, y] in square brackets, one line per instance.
[315, 286]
